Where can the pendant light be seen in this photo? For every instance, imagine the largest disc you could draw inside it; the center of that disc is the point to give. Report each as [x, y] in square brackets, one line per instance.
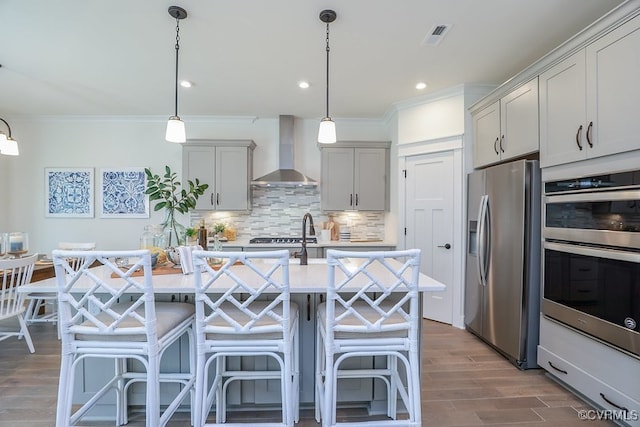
[175, 127]
[8, 145]
[327, 130]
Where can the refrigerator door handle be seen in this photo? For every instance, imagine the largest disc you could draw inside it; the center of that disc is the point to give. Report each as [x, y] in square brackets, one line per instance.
[482, 249]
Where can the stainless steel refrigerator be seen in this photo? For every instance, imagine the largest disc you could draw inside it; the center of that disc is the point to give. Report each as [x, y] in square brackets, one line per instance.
[502, 289]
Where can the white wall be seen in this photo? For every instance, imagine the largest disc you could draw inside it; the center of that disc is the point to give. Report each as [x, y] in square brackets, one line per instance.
[441, 122]
[131, 142]
[439, 116]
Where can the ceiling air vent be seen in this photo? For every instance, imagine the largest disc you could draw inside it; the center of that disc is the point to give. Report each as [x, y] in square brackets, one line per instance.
[436, 34]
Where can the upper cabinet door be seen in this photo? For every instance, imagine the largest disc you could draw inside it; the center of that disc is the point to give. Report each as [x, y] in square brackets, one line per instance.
[613, 90]
[337, 179]
[519, 121]
[198, 162]
[486, 127]
[370, 178]
[563, 112]
[232, 179]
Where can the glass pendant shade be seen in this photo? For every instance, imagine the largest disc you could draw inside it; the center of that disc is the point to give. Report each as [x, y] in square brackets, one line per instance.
[175, 130]
[8, 146]
[327, 131]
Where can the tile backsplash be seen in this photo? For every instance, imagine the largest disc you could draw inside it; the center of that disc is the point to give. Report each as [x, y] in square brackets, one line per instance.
[278, 211]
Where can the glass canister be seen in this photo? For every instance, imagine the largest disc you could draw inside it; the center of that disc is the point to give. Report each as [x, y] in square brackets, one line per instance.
[18, 243]
[217, 247]
[159, 237]
[147, 238]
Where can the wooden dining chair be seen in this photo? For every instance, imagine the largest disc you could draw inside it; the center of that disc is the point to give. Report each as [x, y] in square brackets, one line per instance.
[118, 319]
[243, 309]
[15, 273]
[380, 319]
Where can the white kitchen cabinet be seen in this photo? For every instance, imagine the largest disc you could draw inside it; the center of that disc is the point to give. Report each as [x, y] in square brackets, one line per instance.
[355, 176]
[605, 376]
[508, 128]
[312, 252]
[588, 101]
[227, 167]
[355, 248]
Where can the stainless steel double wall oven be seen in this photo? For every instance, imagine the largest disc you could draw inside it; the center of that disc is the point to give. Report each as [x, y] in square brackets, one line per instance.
[592, 256]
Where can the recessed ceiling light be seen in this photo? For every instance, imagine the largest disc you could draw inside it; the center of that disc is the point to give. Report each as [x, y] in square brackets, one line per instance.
[303, 85]
[186, 83]
[421, 86]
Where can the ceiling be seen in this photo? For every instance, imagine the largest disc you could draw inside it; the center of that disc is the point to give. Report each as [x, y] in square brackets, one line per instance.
[245, 57]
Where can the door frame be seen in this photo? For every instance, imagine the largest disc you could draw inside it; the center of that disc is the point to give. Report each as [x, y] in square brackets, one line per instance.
[454, 144]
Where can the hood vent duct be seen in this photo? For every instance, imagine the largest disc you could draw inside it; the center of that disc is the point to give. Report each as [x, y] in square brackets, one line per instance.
[285, 175]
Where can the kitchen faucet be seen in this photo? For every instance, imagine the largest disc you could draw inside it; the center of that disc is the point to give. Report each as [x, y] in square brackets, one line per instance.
[312, 232]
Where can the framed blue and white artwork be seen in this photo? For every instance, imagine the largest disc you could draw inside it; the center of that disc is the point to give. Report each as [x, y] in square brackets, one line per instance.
[122, 193]
[68, 192]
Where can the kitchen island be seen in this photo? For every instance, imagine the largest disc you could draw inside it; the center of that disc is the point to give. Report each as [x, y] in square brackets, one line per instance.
[308, 287]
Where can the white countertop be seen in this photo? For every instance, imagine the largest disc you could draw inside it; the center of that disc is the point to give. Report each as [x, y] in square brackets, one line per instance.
[310, 278]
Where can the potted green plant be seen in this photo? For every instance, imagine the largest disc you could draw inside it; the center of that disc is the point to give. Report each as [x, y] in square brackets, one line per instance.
[172, 197]
[191, 235]
[218, 229]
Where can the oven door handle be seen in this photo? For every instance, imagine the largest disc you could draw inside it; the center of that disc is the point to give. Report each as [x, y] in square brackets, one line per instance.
[594, 196]
[483, 216]
[593, 251]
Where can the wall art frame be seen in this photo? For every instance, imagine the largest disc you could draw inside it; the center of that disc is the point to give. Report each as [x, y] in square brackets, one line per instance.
[122, 193]
[69, 192]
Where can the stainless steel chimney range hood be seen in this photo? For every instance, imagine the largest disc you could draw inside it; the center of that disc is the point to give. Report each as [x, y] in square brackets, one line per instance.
[285, 175]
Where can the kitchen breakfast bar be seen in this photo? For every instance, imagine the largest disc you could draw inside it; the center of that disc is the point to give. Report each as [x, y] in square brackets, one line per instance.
[308, 288]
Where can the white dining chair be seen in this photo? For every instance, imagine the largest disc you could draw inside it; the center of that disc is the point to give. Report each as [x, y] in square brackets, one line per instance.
[243, 308]
[379, 319]
[15, 273]
[43, 306]
[118, 319]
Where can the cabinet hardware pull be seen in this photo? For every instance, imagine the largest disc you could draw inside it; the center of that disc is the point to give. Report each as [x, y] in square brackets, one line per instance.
[356, 199]
[212, 199]
[578, 137]
[350, 199]
[186, 298]
[557, 369]
[446, 246]
[622, 408]
[495, 146]
[589, 133]
[308, 307]
[218, 199]
[501, 139]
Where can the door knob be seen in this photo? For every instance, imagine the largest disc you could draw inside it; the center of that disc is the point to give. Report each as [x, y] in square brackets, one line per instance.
[446, 246]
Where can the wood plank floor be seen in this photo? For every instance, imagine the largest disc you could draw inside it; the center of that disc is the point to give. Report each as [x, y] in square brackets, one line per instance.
[465, 383]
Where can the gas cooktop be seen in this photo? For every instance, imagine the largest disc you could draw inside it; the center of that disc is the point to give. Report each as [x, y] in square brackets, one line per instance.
[282, 240]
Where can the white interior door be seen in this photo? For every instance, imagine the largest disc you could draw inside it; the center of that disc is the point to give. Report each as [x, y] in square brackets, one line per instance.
[429, 222]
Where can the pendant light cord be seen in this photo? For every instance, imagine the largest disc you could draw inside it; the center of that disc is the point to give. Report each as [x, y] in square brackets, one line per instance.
[177, 49]
[327, 69]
